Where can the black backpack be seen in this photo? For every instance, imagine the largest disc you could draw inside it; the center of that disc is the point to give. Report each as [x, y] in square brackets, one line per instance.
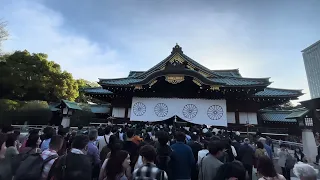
[290, 162]
[31, 167]
[164, 162]
[16, 161]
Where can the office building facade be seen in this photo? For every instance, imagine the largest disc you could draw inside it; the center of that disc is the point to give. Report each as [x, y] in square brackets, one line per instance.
[311, 58]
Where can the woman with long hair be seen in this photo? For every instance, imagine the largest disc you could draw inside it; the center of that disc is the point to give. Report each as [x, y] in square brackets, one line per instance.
[32, 144]
[117, 167]
[114, 147]
[298, 154]
[266, 170]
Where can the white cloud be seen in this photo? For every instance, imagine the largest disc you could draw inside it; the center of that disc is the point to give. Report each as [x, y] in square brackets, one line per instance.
[39, 29]
[218, 40]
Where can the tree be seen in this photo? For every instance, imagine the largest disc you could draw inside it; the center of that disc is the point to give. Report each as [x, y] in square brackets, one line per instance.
[4, 34]
[19, 112]
[26, 77]
[286, 106]
[84, 84]
[83, 117]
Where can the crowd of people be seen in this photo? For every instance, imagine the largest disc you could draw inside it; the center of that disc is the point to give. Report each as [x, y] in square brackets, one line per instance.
[144, 152]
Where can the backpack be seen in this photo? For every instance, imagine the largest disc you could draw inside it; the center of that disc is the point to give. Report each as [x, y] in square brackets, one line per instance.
[164, 162]
[58, 169]
[31, 167]
[290, 162]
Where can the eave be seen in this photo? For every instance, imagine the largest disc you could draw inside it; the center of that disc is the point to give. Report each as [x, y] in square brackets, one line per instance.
[276, 93]
[222, 81]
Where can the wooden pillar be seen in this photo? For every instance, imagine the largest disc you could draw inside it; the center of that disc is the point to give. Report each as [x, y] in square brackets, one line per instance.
[126, 113]
[111, 111]
[237, 117]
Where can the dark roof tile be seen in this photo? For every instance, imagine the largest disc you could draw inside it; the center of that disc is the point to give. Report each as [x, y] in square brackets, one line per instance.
[270, 92]
[276, 116]
[96, 90]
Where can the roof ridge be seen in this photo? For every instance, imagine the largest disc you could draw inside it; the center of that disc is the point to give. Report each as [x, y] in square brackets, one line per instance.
[198, 64]
[234, 77]
[154, 67]
[275, 111]
[93, 87]
[281, 89]
[224, 69]
[300, 109]
[118, 78]
[136, 71]
[177, 50]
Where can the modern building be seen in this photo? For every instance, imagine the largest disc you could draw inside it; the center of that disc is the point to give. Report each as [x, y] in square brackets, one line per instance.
[311, 58]
[179, 87]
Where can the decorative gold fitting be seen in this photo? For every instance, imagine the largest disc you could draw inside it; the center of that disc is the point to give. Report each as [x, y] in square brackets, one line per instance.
[197, 81]
[138, 87]
[153, 82]
[176, 58]
[203, 74]
[190, 67]
[174, 79]
[215, 87]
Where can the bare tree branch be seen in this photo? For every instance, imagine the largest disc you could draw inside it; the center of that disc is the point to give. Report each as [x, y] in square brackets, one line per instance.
[4, 33]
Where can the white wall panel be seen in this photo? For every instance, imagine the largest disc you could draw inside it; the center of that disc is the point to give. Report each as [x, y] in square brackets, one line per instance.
[248, 117]
[252, 117]
[118, 112]
[231, 117]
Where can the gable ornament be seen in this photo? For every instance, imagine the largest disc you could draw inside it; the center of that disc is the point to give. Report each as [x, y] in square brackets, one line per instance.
[174, 79]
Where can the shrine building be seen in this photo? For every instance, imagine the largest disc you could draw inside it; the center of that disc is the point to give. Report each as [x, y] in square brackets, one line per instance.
[180, 87]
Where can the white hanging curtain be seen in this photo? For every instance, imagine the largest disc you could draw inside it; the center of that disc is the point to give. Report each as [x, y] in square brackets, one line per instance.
[198, 111]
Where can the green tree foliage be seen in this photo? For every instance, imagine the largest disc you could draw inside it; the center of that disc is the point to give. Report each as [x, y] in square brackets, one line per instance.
[19, 112]
[83, 117]
[8, 105]
[26, 77]
[84, 84]
[31, 105]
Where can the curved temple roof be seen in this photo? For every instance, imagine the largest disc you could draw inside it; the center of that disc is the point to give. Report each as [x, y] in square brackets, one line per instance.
[276, 116]
[268, 92]
[228, 81]
[225, 78]
[275, 92]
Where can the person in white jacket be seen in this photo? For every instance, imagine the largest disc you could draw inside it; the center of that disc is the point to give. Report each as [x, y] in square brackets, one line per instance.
[102, 142]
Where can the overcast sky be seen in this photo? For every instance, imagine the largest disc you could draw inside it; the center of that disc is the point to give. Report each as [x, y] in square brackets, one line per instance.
[106, 39]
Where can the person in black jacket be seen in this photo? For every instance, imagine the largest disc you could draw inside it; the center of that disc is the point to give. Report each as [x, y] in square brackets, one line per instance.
[195, 147]
[318, 156]
[164, 153]
[246, 156]
[75, 165]
[131, 147]
[298, 154]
